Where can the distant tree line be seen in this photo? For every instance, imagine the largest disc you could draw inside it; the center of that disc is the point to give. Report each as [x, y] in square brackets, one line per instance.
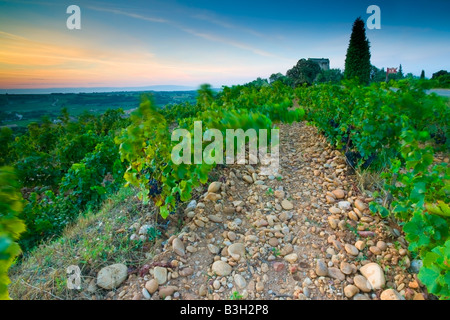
[357, 65]
[442, 78]
[307, 72]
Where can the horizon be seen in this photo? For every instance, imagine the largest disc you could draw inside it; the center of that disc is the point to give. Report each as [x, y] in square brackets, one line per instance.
[146, 43]
[76, 90]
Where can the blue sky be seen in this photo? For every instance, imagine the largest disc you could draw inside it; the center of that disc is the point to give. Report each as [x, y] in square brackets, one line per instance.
[140, 43]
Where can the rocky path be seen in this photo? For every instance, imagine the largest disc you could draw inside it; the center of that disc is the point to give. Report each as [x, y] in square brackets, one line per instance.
[306, 234]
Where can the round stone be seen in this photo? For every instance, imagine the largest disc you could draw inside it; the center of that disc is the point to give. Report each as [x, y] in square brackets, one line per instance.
[152, 286]
[237, 249]
[339, 193]
[221, 268]
[350, 291]
[146, 294]
[112, 276]
[344, 205]
[375, 275]
[186, 272]
[346, 267]
[321, 268]
[382, 245]
[248, 179]
[273, 242]
[240, 281]
[231, 235]
[361, 206]
[362, 283]
[291, 258]
[334, 210]
[287, 205]
[336, 274]
[213, 249]
[167, 291]
[160, 274]
[351, 249]
[279, 194]
[178, 247]
[391, 294]
[360, 245]
[375, 250]
[215, 187]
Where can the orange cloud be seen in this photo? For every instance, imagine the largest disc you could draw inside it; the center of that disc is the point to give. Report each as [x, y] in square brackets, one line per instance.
[27, 63]
[22, 60]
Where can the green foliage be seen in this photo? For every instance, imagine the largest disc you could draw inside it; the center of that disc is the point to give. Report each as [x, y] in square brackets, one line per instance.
[397, 132]
[258, 83]
[179, 111]
[68, 167]
[205, 96]
[442, 79]
[45, 215]
[6, 139]
[281, 78]
[357, 61]
[304, 72]
[367, 122]
[332, 76]
[420, 184]
[88, 182]
[37, 170]
[22, 109]
[400, 74]
[422, 74]
[146, 143]
[422, 199]
[426, 231]
[11, 227]
[379, 75]
[236, 296]
[421, 193]
[276, 252]
[435, 273]
[439, 74]
[153, 234]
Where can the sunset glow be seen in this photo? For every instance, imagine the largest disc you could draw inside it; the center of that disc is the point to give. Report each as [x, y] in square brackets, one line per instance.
[140, 43]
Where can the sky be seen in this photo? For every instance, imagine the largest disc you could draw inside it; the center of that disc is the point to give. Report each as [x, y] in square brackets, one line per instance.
[144, 42]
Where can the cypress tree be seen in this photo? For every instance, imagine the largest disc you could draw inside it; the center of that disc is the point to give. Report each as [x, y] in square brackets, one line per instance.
[357, 61]
[422, 74]
[400, 74]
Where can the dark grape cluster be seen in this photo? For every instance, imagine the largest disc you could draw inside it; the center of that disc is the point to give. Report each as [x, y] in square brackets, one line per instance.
[439, 138]
[369, 161]
[333, 123]
[177, 203]
[347, 142]
[353, 157]
[154, 187]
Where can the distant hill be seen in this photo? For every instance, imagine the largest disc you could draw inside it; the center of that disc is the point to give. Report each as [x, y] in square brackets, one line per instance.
[23, 108]
[97, 89]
